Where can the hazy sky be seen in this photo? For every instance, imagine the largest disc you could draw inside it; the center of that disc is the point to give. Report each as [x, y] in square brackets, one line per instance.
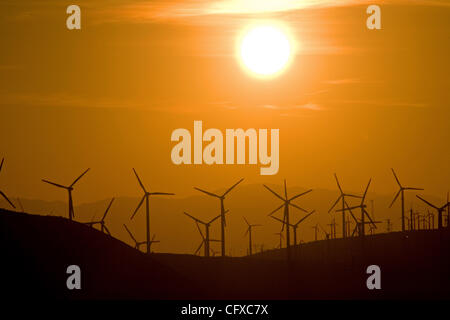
[354, 101]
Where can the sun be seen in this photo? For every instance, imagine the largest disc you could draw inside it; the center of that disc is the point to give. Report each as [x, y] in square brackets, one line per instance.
[265, 50]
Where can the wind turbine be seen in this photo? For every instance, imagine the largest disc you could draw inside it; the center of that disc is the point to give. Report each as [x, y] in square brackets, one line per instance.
[147, 208]
[205, 242]
[103, 227]
[440, 210]
[249, 232]
[69, 189]
[364, 213]
[401, 192]
[222, 210]
[286, 203]
[295, 226]
[139, 244]
[1, 193]
[206, 239]
[342, 198]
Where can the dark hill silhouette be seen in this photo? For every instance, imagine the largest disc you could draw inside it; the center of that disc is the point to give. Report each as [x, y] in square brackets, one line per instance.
[36, 251]
[178, 233]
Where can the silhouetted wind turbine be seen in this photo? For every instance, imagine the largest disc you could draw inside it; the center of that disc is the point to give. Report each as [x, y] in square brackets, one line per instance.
[139, 244]
[69, 189]
[342, 198]
[286, 203]
[206, 239]
[249, 232]
[364, 213]
[147, 208]
[103, 227]
[439, 210]
[222, 210]
[295, 226]
[401, 192]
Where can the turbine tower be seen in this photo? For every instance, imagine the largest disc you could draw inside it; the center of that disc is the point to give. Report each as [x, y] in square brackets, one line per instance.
[69, 190]
[206, 238]
[222, 211]
[249, 232]
[401, 192]
[342, 198]
[103, 227]
[440, 210]
[147, 208]
[286, 203]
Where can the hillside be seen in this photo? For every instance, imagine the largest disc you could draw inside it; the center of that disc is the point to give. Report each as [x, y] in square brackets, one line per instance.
[178, 233]
[37, 249]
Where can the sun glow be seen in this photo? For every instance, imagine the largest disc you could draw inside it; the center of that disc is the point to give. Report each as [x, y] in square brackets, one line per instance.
[265, 50]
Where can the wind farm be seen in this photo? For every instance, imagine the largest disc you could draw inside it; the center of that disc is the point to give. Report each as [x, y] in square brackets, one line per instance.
[225, 150]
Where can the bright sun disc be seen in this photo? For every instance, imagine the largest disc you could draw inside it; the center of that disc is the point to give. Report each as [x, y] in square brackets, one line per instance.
[265, 50]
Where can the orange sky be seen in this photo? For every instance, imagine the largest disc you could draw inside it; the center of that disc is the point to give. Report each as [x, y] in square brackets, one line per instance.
[354, 101]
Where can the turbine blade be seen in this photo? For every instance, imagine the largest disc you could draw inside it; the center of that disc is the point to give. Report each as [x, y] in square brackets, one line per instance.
[199, 230]
[215, 218]
[304, 218]
[365, 192]
[396, 179]
[370, 219]
[395, 198]
[199, 247]
[409, 188]
[282, 221]
[300, 194]
[430, 204]
[299, 208]
[139, 180]
[246, 221]
[106, 228]
[285, 190]
[139, 205]
[335, 203]
[1, 164]
[76, 180]
[55, 184]
[107, 209]
[232, 187]
[161, 194]
[208, 193]
[192, 217]
[348, 208]
[129, 232]
[338, 184]
[270, 214]
[6, 198]
[276, 194]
